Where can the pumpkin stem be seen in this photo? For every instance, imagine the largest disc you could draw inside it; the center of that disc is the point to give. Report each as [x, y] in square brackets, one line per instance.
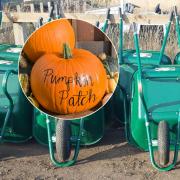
[67, 51]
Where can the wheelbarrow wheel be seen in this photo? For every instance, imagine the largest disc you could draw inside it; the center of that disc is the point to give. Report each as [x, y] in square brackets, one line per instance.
[63, 142]
[163, 143]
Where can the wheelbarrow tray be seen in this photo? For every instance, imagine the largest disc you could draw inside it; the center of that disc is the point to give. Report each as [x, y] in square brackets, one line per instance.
[147, 57]
[19, 126]
[161, 87]
[93, 129]
[9, 52]
[177, 59]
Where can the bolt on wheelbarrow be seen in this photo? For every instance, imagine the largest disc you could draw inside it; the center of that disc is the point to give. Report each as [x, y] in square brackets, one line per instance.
[153, 108]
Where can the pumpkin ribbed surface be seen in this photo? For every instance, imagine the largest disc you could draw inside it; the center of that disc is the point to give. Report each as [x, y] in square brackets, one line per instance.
[66, 86]
[49, 39]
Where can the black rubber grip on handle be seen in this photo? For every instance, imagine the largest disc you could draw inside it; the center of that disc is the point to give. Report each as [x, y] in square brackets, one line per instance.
[108, 13]
[51, 13]
[120, 12]
[175, 11]
[134, 27]
[0, 6]
[57, 9]
[171, 16]
[40, 21]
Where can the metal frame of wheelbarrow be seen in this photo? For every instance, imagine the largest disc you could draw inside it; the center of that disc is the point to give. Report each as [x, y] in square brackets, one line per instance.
[121, 35]
[144, 106]
[52, 140]
[107, 20]
[11, 130]
[177, 25]
[121, 51]
[177, 20]
[75, 140]
[11, 104]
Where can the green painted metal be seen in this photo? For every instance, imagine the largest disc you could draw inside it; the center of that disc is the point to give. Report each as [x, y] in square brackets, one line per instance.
[166, 36]
[11, 105]
[9, 52]
[84, 131]
[93, 129]
[15, 124]
[157, 84]
[177, 59]
[121, 35]
[177, 25]
[147, 57]
[150, 104]
[76, 141]
[148, 91]
[105, 26]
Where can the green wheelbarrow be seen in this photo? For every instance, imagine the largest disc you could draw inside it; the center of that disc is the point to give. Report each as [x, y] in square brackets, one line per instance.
[15, 124]
[128, 63]
[63, 134]
[152, 105]
[177, 58]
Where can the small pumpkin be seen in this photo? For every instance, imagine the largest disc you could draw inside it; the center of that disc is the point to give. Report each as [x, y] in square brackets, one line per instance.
[106, 98]
[22, 62]
[102, 56]
[111, 85]
[74, 83]
[24, 81]
[49, 39]
[116, 76]
[33, 100]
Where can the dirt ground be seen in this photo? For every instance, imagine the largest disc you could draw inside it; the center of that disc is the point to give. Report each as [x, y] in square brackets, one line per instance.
[112, 158]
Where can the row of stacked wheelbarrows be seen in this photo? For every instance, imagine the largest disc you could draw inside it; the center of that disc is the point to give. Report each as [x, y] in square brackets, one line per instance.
[146, 100]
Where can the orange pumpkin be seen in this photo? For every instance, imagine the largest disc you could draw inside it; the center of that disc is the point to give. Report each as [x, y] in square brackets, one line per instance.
[70, 84]
[49, 39]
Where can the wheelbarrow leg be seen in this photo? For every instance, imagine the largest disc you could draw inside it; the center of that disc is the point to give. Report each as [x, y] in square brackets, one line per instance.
[120, 49]
[144, 107]
[126, 123]
[11, 105]
[51, 148]
[152, 151]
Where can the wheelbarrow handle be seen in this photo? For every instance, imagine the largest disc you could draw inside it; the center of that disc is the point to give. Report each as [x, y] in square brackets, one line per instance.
[51, 148]
[108, 13]
[134, 27]
[171, 16]
[56, 10]
[175, 11]
[104, 28]
[40, 22]
[11, 105]
[51, 13]
[120, 13]
[177, 25]
[4, 84]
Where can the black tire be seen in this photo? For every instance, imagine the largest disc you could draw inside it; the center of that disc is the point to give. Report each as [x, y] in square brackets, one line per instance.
[163, 143]
[63, 142]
